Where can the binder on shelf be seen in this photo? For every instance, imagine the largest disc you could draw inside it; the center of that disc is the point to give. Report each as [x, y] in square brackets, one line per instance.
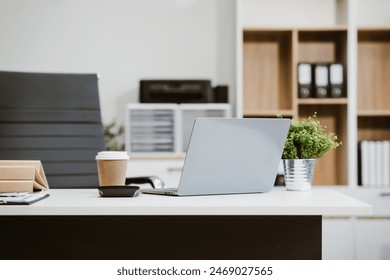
[22, 176]
[371, 164]
[384, 160]
[386, 164]
[364, 163]
[321, 82]
[375, 163]
[359, 164]
[304, 80]
[336, 80]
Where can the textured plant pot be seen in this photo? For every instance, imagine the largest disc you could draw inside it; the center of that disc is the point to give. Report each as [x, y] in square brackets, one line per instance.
[298, 174]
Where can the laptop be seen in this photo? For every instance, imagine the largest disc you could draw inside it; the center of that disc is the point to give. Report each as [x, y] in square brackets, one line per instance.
[231, 156]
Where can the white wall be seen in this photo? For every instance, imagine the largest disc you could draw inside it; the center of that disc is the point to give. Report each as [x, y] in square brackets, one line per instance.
[122, 40]
[373, 12]
[287, 13]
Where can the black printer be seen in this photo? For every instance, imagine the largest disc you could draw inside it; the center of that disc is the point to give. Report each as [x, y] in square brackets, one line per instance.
[181, 91]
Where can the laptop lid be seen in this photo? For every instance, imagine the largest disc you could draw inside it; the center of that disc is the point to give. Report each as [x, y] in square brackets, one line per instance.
[228, 155]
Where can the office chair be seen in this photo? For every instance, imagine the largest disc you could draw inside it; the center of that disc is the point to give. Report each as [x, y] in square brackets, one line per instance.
[54, 118]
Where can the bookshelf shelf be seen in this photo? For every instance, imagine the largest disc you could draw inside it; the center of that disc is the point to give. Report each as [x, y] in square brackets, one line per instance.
[374, 113]
[265, 113]
[323, 101]
[318, 29]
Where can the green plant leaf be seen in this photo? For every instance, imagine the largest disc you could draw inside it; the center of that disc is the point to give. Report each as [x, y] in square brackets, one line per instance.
[308, 139]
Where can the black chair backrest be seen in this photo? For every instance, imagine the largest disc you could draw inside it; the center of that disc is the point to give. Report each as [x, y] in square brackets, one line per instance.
[54, 118]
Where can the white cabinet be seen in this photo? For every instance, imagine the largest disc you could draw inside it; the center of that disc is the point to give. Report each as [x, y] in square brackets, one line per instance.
[338, 241]
[360, 238]
[373, 234]
[373, 239]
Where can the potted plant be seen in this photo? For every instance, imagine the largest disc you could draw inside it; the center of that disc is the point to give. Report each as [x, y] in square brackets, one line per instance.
[306, 141]
[113, 137]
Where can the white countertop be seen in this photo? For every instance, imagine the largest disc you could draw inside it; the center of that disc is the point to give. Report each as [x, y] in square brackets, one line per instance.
[277, 202]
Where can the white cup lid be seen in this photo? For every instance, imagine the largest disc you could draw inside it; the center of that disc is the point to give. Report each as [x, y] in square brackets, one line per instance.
[112, 155]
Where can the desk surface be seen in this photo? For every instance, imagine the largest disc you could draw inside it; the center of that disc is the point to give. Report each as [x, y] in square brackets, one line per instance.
[277, 202]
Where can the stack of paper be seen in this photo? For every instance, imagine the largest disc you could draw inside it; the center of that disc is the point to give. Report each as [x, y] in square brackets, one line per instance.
[375, 163]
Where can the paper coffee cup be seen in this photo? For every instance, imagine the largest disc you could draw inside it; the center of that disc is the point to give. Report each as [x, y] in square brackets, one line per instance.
[112, 168]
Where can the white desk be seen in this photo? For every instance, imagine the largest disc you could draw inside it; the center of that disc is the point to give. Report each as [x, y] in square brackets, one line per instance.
[278, 202]
[78, 224]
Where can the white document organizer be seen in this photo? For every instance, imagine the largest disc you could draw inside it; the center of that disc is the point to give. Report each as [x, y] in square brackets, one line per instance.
[165, 129]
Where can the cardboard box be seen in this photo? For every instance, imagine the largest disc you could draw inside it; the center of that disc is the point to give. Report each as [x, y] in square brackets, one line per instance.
[22, 176]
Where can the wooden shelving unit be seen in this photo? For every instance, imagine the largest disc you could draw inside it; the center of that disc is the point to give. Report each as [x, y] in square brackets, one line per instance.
[270, 45]
[270, 59]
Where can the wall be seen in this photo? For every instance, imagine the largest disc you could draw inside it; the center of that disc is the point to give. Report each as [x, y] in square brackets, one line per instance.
[287, 13]
[373, 12]
[122, 40]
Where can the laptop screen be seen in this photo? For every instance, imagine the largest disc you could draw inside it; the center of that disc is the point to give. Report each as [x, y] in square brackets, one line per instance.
[230, 155]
